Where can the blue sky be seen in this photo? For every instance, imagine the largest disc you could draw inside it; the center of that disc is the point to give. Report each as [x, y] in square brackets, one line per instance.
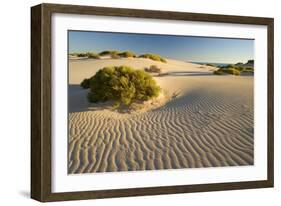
[187, 48]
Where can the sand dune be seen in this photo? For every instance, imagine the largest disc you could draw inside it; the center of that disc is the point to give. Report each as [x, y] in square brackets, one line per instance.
[207, 123]
[81, 69]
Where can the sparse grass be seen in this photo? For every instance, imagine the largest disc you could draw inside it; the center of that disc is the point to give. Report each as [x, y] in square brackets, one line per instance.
[239, 68]
[222, 71]
[115, 54]
[121, 84]
[217, 72]
[81, 55]
[92, 55]
[109, 52]
[154, 57]
[153, 69]
[248, 69]
[234, 70]
[127, 54]
[229, 66]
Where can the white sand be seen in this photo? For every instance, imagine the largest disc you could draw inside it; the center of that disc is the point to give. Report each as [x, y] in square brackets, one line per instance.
[207, 123]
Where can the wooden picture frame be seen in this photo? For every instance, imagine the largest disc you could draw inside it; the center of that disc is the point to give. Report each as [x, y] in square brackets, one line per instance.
[41, 171]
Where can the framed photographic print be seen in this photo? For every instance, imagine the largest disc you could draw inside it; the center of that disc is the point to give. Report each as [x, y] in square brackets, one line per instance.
[130, 102]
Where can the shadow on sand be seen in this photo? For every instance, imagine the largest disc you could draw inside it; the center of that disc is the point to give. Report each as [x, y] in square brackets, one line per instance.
[77, 102]
[184, 73]
[77, 98]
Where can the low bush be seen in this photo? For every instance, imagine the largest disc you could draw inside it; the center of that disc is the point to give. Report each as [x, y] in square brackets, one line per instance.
[233, 66]
[232, 71]
[121, 84]
[248, 69]
[229, 66]
[153, 69]
[239, 68]
[127, 54]
[85, 84]
[109, 52]
[154, 57]
[82, 55]
[92, 55]
[217, 72]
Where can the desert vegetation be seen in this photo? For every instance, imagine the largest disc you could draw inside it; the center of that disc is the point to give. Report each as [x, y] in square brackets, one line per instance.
[122, 85]
[127, 54]
[249, 69]
[109, 52]
[85, 84]
[234, 69]
[112, 53]
[81, 55]
[115, 54]
[154, 57]
[153, 69]
[92, 55]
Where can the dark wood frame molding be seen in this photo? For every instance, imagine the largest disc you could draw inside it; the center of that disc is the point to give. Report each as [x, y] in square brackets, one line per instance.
[41, 101]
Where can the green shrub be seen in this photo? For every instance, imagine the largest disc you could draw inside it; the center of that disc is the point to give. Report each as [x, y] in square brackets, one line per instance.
[154, 57]
[85, 84]
[248, 69]
[109, 52]
[236, 69]
[232, 71]
[93, 55]
[153, 69]
[239, 68]
[123, 85]
[217, 72]
[229, 66]
[82, 55]
[127, 54]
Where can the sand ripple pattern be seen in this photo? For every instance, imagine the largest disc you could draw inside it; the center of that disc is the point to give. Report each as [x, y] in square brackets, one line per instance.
[198, 129]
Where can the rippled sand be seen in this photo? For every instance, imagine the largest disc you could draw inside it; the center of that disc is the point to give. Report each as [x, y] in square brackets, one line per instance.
[207, 123]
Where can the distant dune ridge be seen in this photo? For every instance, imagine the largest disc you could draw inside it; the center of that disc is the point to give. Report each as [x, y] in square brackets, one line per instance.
[207, 121]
